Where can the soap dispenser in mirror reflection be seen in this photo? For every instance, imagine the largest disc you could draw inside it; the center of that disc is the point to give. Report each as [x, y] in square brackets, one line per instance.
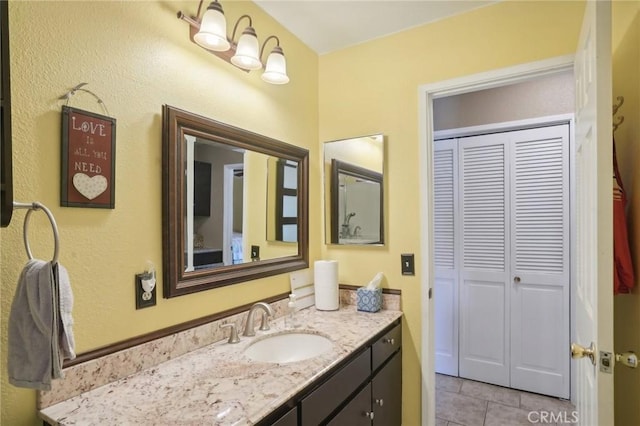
[291, 320]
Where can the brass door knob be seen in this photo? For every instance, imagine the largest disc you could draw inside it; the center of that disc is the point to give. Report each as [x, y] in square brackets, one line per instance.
[578, 352]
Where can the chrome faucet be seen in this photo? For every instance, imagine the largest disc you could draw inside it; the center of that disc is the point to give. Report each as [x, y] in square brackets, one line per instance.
[268, 312]
[346, 227]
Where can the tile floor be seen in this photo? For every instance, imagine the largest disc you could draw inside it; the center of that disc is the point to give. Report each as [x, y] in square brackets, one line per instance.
[462, 402]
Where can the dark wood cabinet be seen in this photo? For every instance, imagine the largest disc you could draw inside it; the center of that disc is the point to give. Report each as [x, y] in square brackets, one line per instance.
[206, 257]
[365, 389]
[379, 403]
[332, 393]
[386, 393]
[289, 419]
[357, 412]
[385, 346]
[6, 168]
[201, 188]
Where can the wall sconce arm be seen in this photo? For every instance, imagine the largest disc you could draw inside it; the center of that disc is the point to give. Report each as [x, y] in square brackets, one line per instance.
[189, 20]
[235, 28]
[265, 43]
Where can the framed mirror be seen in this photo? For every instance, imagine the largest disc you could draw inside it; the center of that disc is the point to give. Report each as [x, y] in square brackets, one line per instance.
[215, 193]
[354, 191]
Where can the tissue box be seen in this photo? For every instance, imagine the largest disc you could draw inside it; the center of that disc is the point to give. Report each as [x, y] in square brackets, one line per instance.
[369, 300]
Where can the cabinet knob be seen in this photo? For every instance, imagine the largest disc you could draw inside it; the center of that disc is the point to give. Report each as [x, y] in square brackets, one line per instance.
[380, 402]
[369, 414]
[390, 341]
[516, 279]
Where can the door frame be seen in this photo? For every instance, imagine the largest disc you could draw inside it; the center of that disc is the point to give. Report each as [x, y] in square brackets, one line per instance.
[426, 94]
[227, 217]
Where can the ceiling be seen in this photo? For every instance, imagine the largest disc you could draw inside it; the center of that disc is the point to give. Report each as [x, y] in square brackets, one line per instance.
[328, 25]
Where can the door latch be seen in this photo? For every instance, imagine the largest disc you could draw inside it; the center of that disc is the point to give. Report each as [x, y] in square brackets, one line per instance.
[606, 362]
[630, 359]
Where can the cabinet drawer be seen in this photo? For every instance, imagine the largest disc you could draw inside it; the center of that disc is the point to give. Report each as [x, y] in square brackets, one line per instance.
[386, 345]
[386, 393]
[289, 419]
[322, 401]
[357, 412]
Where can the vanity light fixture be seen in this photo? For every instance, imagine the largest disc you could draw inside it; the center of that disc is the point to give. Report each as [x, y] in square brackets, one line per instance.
[275, 71]
[210, 33]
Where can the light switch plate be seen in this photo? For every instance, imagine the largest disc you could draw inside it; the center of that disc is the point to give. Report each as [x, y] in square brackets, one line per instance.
[408, 265]
[255, 253]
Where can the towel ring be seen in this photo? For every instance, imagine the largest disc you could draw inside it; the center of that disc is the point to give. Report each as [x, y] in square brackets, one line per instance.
[25, 234]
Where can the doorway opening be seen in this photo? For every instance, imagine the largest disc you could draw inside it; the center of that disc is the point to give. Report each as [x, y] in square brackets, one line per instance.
[428, 94]
[233, 195]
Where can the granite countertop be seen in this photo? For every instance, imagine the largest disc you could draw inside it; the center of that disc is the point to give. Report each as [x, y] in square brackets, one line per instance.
[218, 384]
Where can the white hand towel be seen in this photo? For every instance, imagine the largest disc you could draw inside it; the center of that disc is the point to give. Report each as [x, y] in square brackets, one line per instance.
[31, 323]
[40, 326]
[67, 342]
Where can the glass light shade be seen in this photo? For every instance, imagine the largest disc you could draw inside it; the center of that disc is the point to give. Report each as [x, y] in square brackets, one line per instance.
[246, 56]
[213, 29]
[275, 72]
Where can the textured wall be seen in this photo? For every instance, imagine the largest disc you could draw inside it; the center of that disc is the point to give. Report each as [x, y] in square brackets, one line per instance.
[382, 78]
[550, 95]
[626, 82]
[136, 56]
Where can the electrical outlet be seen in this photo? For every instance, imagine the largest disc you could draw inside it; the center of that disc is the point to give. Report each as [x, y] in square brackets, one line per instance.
[145, 290]
[255, 253]
[408, 267]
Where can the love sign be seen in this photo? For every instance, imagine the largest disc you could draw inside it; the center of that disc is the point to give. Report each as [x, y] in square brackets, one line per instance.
[88, 159]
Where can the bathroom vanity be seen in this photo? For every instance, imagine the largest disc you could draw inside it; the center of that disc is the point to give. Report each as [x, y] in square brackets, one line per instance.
[358, 381]
[365, 389]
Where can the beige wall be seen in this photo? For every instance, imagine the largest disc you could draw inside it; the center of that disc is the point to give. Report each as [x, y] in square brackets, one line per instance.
[626, 82]
[255, 221]
[550, 95]
[373, 88]
[136, 56]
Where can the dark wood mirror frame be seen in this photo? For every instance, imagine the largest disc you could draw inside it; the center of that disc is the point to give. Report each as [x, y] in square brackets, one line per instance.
[6, 180]
[176, 123]
[340, 167]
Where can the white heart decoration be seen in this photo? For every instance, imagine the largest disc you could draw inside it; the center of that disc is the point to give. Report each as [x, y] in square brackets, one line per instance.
[90, 187]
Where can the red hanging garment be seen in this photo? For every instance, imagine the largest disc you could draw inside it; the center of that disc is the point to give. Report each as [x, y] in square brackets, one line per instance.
[623, 279]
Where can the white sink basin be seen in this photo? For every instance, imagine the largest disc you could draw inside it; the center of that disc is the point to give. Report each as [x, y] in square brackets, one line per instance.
[357, 241]
[288, 347]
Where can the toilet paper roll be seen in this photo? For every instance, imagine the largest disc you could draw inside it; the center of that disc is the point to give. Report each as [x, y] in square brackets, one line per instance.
[325, 274]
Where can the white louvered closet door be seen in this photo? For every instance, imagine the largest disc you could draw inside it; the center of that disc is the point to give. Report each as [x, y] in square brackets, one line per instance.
[540, 260]
[445, 197]
[484, 259]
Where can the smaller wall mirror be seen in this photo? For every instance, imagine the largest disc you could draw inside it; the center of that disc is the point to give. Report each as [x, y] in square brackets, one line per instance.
[354, 191]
